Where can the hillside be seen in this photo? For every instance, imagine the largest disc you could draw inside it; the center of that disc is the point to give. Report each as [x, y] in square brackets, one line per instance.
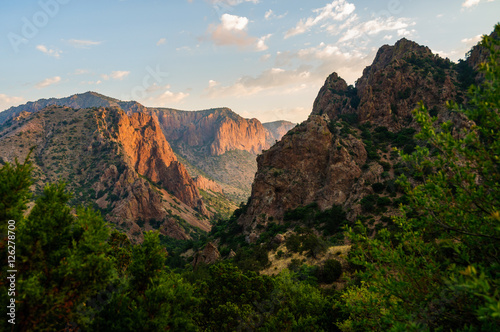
[121, 164]
[343, 154]
[216, 143]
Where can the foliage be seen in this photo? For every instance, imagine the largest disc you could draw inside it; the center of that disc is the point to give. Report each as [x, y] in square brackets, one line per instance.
[440, 269]
[229, 296]
[151, 298]
[62, 258]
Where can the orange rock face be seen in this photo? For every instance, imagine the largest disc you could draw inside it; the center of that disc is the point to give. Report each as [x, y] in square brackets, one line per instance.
[206, 184]
[212, 131]
[151, 156]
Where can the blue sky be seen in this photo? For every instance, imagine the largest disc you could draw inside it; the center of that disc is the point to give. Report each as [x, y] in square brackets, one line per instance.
[263, 59]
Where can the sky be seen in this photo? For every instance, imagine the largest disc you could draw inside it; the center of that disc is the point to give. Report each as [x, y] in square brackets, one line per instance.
[263, 59]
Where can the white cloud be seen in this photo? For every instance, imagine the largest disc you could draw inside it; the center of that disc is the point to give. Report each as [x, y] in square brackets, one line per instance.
[78, 43]
[387, 37]
[116, 75]
[8, 101]
[161, 41]
[261, 43]
[338, 10]
[470, 3]
[232, 31]
[50, 52]
[471, 41]
[266, 81]
[47, 82]
[164, 98]
[233, 22]
[376, 26]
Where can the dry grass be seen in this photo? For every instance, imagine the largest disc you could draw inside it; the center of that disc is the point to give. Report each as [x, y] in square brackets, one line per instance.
[279, 264]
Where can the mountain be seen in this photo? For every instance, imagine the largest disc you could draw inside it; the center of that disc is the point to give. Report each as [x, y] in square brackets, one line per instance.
[120, 163]
[276, 130]
[341, 156]
[216, 143]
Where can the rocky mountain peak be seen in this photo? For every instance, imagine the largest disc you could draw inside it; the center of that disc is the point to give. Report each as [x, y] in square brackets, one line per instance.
[344, 147]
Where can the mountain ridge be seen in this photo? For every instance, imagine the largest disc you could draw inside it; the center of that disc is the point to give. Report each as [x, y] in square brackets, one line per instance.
[341, 155]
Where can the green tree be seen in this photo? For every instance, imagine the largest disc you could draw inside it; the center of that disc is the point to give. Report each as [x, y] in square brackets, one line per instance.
[149, 298]
[62, 259]
[440, 270]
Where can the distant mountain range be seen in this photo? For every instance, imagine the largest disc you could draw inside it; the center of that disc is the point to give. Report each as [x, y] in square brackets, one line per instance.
[143, 167]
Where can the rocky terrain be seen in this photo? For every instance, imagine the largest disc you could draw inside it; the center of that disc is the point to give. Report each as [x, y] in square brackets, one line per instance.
[343, 154]
[120, 163]
[216, 143]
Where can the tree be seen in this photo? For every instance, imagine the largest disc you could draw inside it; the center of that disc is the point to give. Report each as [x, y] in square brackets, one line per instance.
[441, 269]
[149, 298]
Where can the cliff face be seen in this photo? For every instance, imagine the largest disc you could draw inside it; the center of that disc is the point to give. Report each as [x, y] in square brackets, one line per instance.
[151, 155]
[122, 164]
[215, 142]
[309, 164]
[344, 147]
[213, 132]
[206, 184]
[399, 77]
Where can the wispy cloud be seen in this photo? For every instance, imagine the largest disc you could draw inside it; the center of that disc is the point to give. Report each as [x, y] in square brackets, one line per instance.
[49, 52]
[473, 3]
[8, 101]
[116, 75]
[80, 71]
[248, 85]
[378, 25]
[470, 3]
[271, 15]
[47, 82]
[162, 96]
[161, 41]
[79, 43]
[338, 10]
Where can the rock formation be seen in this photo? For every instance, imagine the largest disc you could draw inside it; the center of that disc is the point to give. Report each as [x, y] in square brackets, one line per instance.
[332, 158]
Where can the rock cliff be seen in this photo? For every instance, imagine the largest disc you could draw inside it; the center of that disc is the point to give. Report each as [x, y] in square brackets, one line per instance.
[341, 155]
[121, 164]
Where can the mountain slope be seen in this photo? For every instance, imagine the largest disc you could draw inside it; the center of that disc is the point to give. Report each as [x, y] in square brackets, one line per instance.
[342, 154]
[122, 164]
[216, 143]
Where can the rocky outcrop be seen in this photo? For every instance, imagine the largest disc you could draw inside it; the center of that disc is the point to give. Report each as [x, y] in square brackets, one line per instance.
[150, 154]
[309, 164]
[209, 255]
[205, 184]
[399, 78]
[331, 158]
